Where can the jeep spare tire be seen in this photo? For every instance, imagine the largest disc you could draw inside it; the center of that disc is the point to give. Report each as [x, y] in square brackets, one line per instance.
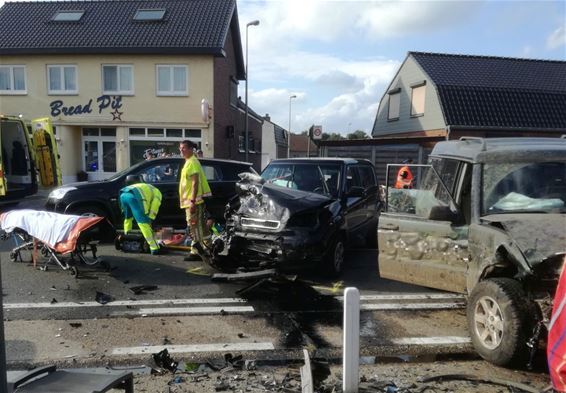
[499, 321]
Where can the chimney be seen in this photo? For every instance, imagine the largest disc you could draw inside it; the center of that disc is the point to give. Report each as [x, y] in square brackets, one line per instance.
[266, 117]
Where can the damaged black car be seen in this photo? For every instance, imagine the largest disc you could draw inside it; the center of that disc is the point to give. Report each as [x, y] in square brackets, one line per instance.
[301, 213]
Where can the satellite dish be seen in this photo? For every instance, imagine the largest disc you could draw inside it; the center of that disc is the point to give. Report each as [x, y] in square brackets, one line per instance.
[204, 110]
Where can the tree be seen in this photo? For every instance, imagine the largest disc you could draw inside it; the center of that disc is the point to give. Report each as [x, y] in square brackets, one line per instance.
[358, 134]
[334, 136]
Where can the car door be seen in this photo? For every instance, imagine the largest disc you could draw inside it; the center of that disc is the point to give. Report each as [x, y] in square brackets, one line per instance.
[355, 205]
[372, 202]
[164, 174]
[422, 238]
[222, 187]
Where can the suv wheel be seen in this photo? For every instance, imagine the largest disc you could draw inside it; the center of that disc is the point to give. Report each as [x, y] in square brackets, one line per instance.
[498, 321]
[334, 258]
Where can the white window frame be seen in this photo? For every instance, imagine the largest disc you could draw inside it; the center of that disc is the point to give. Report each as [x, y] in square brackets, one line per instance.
[154, 138]
[99, 174]
[171, 92]
[11, 91]
[64, 91]
[119, 91]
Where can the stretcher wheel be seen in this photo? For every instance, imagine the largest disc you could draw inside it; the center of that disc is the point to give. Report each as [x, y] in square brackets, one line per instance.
[74, 271]
[13, 256]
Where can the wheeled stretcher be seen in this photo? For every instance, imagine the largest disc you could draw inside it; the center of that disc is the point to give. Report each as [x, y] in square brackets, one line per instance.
[60, 239]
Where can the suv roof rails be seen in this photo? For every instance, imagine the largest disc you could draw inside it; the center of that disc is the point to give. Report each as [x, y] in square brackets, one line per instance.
[475, 138]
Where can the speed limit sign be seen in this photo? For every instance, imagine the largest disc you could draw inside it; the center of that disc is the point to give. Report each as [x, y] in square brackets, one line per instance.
[317, 132]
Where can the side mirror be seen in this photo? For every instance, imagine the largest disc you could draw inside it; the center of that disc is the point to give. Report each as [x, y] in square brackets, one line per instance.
[355, 192]
[442, 213]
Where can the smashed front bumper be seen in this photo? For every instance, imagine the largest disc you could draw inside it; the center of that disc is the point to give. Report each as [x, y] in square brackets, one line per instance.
[289, 250]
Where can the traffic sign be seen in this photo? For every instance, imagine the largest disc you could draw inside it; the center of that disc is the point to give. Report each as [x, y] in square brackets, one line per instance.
[317, 132]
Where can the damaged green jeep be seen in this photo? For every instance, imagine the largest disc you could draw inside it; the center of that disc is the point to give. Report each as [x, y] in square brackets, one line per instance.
[485, 217]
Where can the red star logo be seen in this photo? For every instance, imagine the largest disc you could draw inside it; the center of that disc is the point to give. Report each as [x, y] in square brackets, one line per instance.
[117, 115]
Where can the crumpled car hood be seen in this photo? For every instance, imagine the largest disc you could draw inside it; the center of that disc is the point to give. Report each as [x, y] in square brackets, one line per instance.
[270, 202]
[539, 236]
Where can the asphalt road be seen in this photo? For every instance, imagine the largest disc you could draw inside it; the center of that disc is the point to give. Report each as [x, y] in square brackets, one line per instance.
[53, 317]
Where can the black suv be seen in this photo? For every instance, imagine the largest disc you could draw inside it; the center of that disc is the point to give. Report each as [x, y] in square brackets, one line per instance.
[302, 212]
[101, 197]
[485, 217]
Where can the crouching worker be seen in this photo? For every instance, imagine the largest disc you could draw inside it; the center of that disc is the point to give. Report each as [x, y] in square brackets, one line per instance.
[141, 202]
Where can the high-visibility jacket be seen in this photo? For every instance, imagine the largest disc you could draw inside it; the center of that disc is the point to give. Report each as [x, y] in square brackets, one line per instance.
[404, 178]
[149, 195]
[192, 167]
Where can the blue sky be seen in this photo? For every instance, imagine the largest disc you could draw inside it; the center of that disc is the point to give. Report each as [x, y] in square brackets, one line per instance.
[338, 57]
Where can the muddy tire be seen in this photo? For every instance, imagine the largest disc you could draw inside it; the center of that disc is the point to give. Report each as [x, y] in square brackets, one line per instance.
[499, 321]
[333, 261]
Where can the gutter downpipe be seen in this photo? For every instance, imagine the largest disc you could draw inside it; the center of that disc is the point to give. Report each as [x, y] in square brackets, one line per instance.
[448, 129]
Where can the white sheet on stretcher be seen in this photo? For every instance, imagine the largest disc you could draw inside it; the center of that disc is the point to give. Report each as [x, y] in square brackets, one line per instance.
[58, 231]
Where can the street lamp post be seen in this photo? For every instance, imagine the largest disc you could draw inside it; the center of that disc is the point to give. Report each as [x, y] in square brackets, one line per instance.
[289, 138]
[252, 23]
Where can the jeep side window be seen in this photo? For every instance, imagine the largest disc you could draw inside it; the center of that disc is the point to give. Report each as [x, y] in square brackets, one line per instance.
[448, 171]
[426, 195]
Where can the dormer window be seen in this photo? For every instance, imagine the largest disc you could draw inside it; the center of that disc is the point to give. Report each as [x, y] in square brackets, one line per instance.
[68, 16]
[147, 15]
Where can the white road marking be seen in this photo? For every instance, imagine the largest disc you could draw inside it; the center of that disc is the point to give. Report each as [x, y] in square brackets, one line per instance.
[185, 311]
[227, 347]
[446, 340]
[411, 306]
[410, 296]
[121, 303]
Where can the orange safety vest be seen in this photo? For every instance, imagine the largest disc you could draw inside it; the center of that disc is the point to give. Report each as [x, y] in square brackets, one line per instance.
[404, 181]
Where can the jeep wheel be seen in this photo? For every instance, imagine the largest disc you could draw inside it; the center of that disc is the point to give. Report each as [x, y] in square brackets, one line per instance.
[334, 258]
[498, 321]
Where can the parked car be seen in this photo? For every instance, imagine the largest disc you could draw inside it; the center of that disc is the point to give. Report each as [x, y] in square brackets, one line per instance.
[486, 217]
[101, 197]
[302, 213]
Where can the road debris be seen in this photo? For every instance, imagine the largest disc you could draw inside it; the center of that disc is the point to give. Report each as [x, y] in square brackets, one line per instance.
[103, 298]
[141, 289]
[163, 360]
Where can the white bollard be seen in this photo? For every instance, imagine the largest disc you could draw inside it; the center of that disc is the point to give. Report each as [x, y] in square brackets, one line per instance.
[351, 343]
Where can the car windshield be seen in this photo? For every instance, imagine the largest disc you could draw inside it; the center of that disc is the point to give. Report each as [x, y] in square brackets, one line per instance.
[312, 177]
[524, 187]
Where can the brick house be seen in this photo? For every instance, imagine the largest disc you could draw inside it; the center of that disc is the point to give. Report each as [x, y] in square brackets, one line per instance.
[119, 77]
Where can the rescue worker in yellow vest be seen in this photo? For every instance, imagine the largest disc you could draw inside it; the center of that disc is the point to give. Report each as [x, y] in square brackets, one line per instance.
[405, 176]
[193, 187]
[141, 202]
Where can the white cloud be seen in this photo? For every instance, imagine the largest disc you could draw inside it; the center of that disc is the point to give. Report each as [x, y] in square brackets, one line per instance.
[326, 20]
[291, 52]
[357, 105]
[557, 38]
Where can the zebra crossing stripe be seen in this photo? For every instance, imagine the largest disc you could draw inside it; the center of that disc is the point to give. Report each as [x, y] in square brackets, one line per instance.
[122, 303]
[226, 347]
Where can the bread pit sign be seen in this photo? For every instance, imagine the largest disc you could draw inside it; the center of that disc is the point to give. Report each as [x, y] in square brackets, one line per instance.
[317, 132]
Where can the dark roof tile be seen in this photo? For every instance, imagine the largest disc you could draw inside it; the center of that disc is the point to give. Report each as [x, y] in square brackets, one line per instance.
[189, 26]
[492, 91]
